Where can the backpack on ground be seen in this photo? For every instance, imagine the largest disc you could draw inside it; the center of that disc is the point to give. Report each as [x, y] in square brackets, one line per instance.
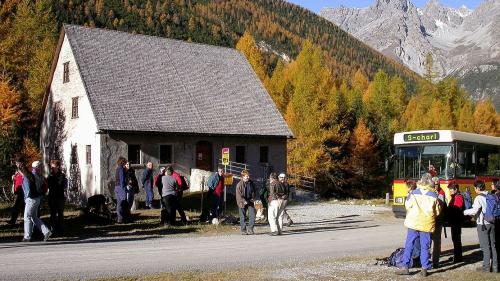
[395, 259]
[492, 208]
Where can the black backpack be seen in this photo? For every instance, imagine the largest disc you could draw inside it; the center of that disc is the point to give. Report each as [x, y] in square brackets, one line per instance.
[184, 185]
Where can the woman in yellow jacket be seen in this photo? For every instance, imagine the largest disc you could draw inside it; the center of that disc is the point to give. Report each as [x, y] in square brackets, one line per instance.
[422, 208]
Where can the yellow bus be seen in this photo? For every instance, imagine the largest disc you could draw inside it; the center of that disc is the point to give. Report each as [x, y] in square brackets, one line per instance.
[454, 157]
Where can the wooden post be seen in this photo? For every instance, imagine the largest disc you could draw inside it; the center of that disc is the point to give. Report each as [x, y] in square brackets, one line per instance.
[202, 191]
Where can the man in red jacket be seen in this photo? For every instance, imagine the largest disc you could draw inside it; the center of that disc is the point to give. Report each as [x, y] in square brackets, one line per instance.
[17, 182]
[179, 192]
[456, 218]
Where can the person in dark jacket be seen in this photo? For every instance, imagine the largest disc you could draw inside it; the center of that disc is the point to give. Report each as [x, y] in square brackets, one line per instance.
[147, 184]
[121, 191]
[169, 193]
[159, 185]
[58, 184]
[133, 187]
[17, 184]
[216, 192]
[245, 198]
[456, 218]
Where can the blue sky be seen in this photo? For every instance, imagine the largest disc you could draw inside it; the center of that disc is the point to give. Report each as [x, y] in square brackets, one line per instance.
[316, 5]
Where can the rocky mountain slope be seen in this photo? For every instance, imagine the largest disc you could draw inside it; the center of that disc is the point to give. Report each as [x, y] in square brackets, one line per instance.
[464, 43]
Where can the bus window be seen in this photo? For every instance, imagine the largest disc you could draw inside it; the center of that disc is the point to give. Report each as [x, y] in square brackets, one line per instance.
[466, 159]
[488, 160]
[440, 157]
[407, 162]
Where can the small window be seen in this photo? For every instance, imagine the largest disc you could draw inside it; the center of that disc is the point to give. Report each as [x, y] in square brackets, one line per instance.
[89, 154]
[264, 154]
[240, 154]
[66, 72]
[166, 153]
[55, 111]
[134, 153]
[74, 107]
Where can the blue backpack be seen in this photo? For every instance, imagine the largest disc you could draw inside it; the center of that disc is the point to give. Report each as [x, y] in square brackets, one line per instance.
[492, 208]
[467, 200]
[396, 259]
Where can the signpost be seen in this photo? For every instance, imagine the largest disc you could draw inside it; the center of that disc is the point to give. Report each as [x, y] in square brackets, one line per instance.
[225, 162]
[225, 156]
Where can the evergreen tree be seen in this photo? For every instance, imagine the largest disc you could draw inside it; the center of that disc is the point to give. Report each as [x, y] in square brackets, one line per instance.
[247, 46]
[486, 119]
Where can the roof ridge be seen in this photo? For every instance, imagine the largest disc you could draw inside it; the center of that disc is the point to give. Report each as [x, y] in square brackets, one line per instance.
[150, 36]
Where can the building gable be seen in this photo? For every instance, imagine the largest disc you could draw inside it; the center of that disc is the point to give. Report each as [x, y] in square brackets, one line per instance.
[151, 84]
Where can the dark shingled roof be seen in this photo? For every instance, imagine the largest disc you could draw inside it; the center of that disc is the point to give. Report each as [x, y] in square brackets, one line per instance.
[152, 84]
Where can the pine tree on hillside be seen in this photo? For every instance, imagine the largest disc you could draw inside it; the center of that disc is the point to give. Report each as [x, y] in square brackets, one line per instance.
[486, 120]
[465, 122]
[247, 46]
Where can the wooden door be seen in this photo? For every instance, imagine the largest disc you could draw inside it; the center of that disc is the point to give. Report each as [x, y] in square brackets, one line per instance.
[204, 154]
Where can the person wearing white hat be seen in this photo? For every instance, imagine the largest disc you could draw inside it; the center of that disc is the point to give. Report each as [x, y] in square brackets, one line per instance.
[34, 186]
[286, 216]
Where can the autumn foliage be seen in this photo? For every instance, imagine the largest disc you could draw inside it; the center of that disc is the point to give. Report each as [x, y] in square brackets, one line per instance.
[343, 128]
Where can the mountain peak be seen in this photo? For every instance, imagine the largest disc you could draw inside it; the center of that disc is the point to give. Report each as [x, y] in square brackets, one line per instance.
[401, 4]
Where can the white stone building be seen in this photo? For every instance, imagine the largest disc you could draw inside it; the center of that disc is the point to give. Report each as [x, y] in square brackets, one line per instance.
[154, 99]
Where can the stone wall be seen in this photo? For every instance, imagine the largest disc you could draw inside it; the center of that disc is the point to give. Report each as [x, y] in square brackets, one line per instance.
[115, 145]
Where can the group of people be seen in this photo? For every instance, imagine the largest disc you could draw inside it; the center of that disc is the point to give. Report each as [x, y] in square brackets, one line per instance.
[428, 212]
[31, 189]
[170, 186]
[247, 198]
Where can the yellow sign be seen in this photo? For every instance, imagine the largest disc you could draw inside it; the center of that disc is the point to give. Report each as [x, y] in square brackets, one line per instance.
[228, 179]
[225, 156]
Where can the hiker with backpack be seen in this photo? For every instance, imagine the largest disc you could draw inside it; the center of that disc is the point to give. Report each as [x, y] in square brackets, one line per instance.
[455, 219]
[422, 208]
[484, 208]
[34, 187]
[278, 194]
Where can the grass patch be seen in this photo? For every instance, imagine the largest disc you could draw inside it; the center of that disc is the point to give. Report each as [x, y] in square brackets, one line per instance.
[145, 224]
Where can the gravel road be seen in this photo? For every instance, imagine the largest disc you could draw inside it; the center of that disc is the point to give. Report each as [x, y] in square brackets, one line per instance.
[322, 230]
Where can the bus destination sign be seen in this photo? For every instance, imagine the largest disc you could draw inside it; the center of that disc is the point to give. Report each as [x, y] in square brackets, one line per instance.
[421, 137]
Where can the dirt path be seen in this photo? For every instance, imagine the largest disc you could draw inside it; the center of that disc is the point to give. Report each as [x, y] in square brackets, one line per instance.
[352, 231]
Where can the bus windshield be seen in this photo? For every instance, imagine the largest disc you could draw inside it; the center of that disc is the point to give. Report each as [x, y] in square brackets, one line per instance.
[414, 161]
